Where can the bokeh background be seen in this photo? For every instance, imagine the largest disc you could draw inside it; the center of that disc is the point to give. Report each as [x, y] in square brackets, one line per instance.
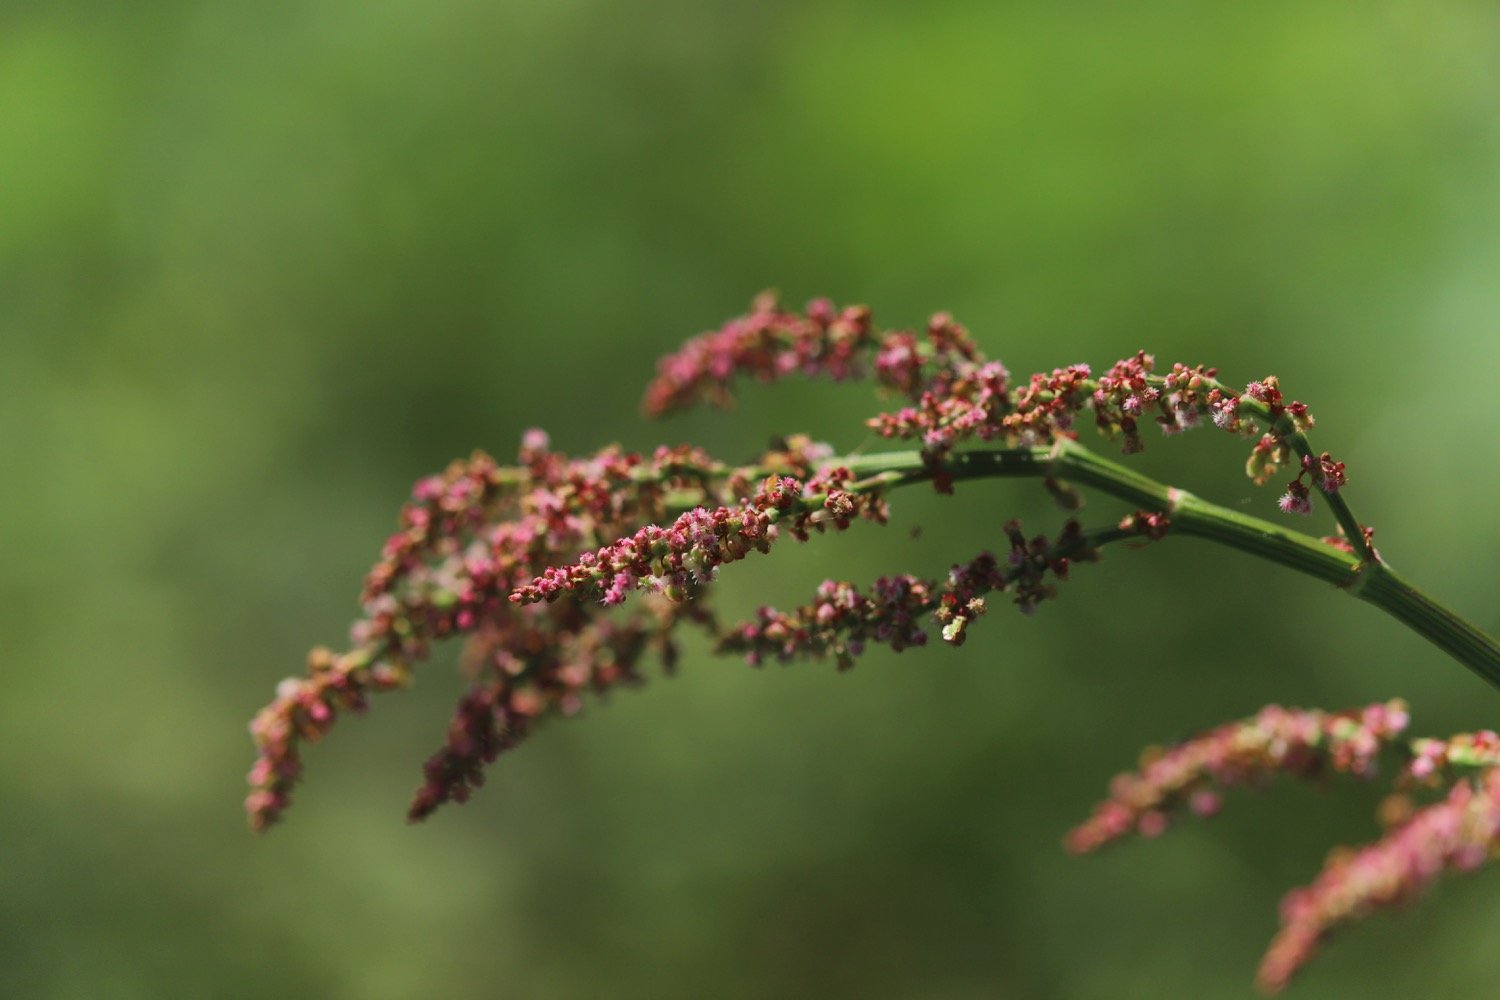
[263, 265]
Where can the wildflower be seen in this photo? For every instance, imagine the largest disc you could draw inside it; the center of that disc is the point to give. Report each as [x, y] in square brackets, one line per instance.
[1456, 834]
[565, 574]
[1295, 500]
[1277, 740]
[769, 343]
[1226, 413]
[843, 619]
[1328, 474]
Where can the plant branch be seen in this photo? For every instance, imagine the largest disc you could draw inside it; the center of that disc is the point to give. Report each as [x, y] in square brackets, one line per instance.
[1372, 582]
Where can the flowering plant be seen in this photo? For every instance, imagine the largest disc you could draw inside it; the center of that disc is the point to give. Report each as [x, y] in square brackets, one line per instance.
[563, 572]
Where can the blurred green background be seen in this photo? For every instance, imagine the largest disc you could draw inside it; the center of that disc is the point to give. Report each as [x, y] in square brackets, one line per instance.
[263, 265]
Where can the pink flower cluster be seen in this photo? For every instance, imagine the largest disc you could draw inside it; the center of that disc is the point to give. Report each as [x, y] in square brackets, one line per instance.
[1304, 743]
[1432, 759]
[1292, 416]
[1032, 561]
[484, 724]
[1179, 399]
[842, 619]
[678, 559]
[1274, 449]
[538, 665]
[672, 560]
[303, 711]
[1327, 475]
[1457, 834]
[956, 395]
[468, 538]
[768, 344]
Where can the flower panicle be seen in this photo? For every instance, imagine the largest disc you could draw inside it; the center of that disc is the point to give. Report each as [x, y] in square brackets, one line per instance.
[303, 711]
[678, 559]
[1305, 743]
[1434, 760]
[468, 537]
[443, 510]
[954, 394]
[1456, 833]
[480, 545]
[1176, 402]
[483, 726]
[542, 665]
[474, 531]
[769, 343]
[562, 573]
[896, 610]
[1459, 833]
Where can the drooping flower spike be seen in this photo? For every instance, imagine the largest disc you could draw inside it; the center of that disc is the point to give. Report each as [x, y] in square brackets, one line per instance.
[1457, 833]
[469, 538]
[955, 394]
[897, 610]
[1194, 773]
